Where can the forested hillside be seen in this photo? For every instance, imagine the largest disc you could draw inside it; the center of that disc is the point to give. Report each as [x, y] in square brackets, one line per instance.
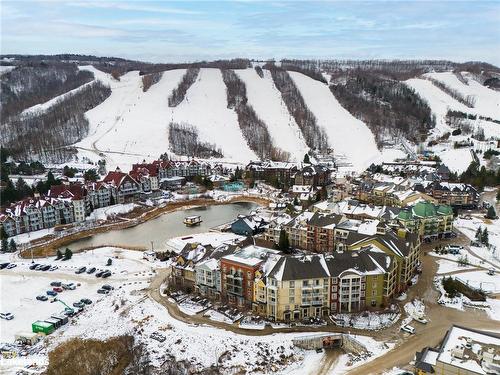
[56, 107]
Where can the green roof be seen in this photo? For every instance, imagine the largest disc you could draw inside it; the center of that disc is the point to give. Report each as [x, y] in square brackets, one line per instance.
[445, 210]
[424, 209]
[405, 215]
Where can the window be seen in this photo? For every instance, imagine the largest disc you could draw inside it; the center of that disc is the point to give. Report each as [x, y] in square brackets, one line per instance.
[325, 281]
[374, 303]
[374, 292]
[291, 300]
[305, 283]
[316, 282]
[292, 284]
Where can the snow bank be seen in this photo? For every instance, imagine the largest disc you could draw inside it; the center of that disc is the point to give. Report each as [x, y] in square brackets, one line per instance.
[456, 159]
[346, 134]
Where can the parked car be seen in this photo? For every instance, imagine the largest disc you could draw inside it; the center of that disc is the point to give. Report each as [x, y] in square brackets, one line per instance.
[39, 267]
[6, 316]
[86, 301]
[12, 265]
[4, 265]
[491, 272]
[33, 266]
[107, 287]
[454, 249]
[106, 274]
[53, 268]
[45, 267]
[99, 273]
[55, 283]
[421, 319]
[102, 291]
[57, 289]
[81, 270]
[41, 297]
[78, 304]
[51, 293]
[69, 286]
[91, 270]
[408, 328]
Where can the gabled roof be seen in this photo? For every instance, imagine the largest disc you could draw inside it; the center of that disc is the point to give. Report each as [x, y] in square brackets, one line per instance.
[300, 267]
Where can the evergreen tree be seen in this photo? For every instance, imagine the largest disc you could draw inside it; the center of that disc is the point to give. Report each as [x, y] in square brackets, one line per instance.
[284, 244]
[12, 246]
[295, 201]
[5, 245]
[491, 214]
[59, 254]
[306, 159]
[479, 234]
[68, 254]
[90, 175]
[484, 237]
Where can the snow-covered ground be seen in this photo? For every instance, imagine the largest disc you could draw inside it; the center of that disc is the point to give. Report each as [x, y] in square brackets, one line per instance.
[30, 236]
[205, 107]
[106, 212]
[346, 134]
[487, 101]
[127, 310]
[457, 159]
[480, 280]
[267, 102]
[20, 285]
[447, 266]
[469, 228]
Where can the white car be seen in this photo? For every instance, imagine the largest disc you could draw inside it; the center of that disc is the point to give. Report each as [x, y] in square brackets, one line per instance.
[6, 316]
[69, 286]
[408, 328]
[421, 319]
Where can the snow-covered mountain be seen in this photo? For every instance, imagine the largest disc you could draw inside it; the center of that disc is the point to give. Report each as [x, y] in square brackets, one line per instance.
[132, 122]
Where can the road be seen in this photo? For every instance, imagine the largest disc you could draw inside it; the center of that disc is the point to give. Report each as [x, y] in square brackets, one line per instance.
[440, 320]
[430, 334]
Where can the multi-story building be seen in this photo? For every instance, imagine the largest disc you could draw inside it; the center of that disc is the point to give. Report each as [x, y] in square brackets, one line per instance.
[321, 232]
[454, 194]
[429, 221]
[313, 175]
[147, 176]
[191, 168]
[361, 279]
[290, 288]
[296, 229]
[127, 188]
[238, 274]
[463, 351]
[272, 171]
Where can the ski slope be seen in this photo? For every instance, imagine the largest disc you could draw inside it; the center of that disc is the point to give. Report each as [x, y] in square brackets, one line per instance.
[346, 134]
[487, 101]
[130, 125]
[267, 102]
[205, 107]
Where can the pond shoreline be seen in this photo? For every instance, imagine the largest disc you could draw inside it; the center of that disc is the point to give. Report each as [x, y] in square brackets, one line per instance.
[49, 248]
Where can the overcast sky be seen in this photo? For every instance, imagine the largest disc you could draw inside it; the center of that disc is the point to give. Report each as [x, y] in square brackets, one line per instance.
[186, 31]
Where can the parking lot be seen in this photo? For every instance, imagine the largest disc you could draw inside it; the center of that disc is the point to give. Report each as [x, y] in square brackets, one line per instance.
[20, 285]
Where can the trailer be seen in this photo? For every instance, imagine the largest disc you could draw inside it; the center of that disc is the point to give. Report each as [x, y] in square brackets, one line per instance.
[42, 327]
[62, 318]
[55, 322]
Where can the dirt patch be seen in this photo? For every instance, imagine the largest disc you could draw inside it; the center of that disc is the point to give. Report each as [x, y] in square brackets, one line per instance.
[88, 357]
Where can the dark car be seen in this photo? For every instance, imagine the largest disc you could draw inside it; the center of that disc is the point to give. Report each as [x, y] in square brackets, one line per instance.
[3, 265]
[106, 274]
[55, 283]
[45, 268]
[107, 287]
[33, 266]
[78, 304]
[42, 298]
[99, 273]
[102, 291]
[91, 270]
[81, 270]
[51, 293]
[86, 301]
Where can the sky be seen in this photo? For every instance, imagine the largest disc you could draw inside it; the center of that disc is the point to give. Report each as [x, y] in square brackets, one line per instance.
[169, 31]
